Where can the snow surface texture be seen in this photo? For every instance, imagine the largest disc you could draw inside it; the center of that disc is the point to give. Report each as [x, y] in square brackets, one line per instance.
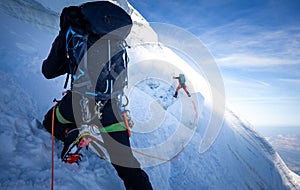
[239, 159]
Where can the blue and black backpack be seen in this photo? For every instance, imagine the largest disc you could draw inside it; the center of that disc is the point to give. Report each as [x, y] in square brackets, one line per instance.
[96, 50]
[182, 78]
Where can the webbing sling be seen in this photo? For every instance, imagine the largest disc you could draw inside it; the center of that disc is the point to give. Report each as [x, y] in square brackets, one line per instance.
[60, 118]
[116, 127]
[108, 129]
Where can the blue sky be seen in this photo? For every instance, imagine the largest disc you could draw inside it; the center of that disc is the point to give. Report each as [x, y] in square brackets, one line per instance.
[256, 45]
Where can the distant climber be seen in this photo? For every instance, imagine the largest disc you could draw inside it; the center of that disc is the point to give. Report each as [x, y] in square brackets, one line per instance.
[181, 81]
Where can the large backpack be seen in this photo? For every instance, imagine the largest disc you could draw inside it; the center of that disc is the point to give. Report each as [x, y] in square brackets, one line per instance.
[182, 78]
[96, 50]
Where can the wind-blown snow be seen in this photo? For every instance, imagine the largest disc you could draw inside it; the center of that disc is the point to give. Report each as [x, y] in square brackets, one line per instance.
[239, 158]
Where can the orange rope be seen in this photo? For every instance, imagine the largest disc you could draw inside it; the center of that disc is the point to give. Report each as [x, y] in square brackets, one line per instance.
[52, 134]
[182, 148]
[159, 158]
[126, 124]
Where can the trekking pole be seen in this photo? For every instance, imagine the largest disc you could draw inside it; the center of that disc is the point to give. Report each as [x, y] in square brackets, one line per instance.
[52, 134]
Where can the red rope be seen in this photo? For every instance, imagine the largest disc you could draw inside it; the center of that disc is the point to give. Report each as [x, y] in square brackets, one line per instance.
[52, 134]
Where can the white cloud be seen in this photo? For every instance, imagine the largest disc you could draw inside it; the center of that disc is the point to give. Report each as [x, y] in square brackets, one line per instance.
[251, 60]
[295, 81]
[268, 100]
[240, 43]
[246, 82]
[285, 142]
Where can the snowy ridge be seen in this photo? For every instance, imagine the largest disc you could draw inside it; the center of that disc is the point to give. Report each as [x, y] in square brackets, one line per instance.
[239, 158]
[160, 117]
[32, 12]
[239, 125]
[27, 149]
[45, 14]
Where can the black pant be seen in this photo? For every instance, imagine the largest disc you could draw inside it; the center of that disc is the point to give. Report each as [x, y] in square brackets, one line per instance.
[127, 166]
[117, 145]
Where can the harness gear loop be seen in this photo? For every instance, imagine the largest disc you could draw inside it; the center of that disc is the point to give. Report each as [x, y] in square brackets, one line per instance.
[61, 118]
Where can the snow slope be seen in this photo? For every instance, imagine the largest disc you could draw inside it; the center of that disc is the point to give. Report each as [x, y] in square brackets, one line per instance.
[239, 158]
